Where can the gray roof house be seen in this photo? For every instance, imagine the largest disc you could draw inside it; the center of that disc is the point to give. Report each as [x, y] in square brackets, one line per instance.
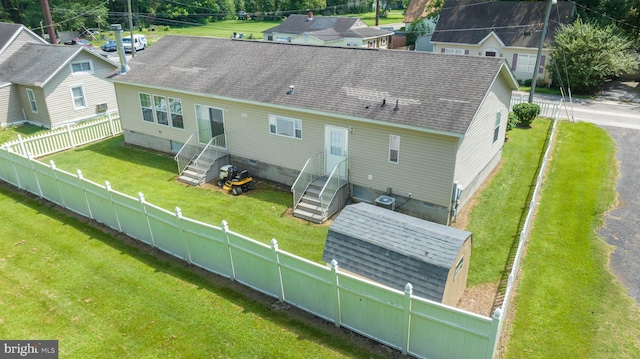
[395, 249]
[328, 30]
[13, 36]
[51, 85]
[507, 29]
[332, 122]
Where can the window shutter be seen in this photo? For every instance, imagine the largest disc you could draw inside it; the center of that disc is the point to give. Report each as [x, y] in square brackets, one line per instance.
[514, 62]
[442, 50]
[466, 52]
[541, 68]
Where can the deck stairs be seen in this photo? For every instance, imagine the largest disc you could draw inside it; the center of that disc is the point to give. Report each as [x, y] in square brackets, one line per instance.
[310, 207]
[199, 163]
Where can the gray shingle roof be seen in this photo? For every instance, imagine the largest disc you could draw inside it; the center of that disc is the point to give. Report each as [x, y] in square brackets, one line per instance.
[517, 24]
[394, 249]
[7, 31]
[327, 27]
[434, 91]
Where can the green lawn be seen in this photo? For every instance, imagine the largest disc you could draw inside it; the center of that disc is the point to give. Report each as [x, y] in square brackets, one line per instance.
[568, 303]
[62, 279]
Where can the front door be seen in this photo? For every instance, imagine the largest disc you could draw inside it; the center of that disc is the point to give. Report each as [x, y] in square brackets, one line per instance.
[335, 148]
[210, 123]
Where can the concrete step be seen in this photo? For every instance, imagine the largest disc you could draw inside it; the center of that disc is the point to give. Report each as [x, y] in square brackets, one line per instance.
[310, 207]
[308, 216]
[189, 180]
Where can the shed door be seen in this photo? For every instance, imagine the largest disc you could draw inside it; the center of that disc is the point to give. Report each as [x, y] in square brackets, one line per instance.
[335, 148]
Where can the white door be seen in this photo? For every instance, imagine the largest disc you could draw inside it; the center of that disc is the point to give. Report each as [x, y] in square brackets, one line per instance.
[335, 148]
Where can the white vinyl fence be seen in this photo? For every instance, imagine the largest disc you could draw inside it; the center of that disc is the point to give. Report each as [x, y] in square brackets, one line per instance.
[66, 137]
[415, 326]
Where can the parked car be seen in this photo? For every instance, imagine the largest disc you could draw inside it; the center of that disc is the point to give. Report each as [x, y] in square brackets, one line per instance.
[109, 46]
[81, 42]
[242, 15]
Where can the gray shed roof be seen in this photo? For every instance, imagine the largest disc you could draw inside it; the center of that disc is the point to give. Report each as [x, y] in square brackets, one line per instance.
[516, 23]
[435, 92]
[35, 64]
[394, 249]
[327, 28]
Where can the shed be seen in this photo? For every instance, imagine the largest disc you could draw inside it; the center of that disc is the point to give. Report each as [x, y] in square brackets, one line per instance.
[395, 249]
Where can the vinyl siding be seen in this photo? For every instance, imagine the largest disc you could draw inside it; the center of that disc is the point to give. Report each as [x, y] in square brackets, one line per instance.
[20, 40]
[425, 168]
[477, 148]
[10, 105]
[42, 116]
[95, 86]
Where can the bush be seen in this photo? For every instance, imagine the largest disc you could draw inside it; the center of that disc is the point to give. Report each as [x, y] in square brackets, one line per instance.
[526, 113]
[512, 121]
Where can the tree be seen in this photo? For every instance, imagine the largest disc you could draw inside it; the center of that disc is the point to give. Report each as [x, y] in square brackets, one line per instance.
[587, 54]
[415, 30]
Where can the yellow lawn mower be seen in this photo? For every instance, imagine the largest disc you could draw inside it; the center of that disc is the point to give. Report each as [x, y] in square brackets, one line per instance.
[232, 181]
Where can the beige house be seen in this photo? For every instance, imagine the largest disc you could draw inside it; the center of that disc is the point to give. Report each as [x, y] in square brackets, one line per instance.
[52, 85]
[506, 29]
[300, 114]
[328, 30]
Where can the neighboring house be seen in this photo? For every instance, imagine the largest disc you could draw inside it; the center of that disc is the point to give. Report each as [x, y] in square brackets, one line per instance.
[507, 29]
[328, 30]
[52, 85]
[417, 133]
[13, 36]
[395, 249]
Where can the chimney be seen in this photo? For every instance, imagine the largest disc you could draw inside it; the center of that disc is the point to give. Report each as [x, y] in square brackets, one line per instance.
[309, 16]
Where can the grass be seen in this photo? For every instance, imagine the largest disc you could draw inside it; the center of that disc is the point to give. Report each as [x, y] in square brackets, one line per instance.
[494, 223]
[568, 304]
[62, 279]
[11, 133]
[259, 214]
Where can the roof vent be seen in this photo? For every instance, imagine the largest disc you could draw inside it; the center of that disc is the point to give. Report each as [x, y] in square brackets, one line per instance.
[309, 16]
[384, 103]
[396, 108]
[291, 87]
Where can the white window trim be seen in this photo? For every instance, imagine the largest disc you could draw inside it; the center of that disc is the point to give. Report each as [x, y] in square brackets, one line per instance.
[496, 127]
[459, 266]
[153, 115]
[31, 96]
[297, 126]
[73, 97]
[392, 148]
[453, 51]
[530, 65]
[171, 113]
[166, 110]
[81, 72]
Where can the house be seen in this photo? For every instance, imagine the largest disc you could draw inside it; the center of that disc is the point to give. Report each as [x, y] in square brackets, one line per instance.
[52, 85]
[13, 36]
[332, 122]
[328, 30]
[395, 249]
[507, 29]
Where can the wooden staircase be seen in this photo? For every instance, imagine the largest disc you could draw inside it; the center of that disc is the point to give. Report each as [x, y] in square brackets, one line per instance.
[309, 206]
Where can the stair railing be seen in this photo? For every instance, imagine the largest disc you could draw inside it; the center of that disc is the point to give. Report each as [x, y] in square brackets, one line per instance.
[312, 170]
[337, 179]
[187, 153]
[209, 154]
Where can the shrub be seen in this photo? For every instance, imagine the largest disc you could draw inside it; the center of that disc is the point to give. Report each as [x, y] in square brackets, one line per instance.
[512, 121]
[526, 113]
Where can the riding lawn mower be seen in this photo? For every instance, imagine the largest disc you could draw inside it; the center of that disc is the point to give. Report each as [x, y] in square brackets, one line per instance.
[233, 181]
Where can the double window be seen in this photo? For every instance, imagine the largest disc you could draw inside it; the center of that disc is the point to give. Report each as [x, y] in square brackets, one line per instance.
[525, 63]
[454, 51]
[82, 67]
[158, 109]
[285, 126]
[79, 101]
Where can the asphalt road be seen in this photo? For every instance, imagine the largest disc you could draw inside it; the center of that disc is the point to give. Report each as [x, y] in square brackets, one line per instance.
[618, 112]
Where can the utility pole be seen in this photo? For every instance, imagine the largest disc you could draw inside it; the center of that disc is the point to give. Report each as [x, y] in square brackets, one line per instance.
[47, 17]
[544, 34]
[133, 42]
[377, 11]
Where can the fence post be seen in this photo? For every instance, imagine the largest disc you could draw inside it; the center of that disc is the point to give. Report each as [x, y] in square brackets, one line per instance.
[494, 336]
[184, 239]
[146, 217]
[35, 175]
[23, 150]
[111, 128]
[276, 263]
[70, 134]
[84, 193]
[408, 290]
[337, 315]
[225, 230]
[107, 186]
[55, 176]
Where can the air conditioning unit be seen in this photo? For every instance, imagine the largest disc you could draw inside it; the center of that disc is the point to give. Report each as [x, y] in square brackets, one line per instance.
[101, 107]
[387, 202]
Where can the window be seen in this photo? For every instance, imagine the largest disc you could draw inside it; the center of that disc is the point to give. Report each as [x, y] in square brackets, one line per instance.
[525, 63]
[454, 51]
[394, 148]
[78, 97]
[145, 104]
[285, 126]
[32, 101]
[496, 130]
[81, 66]
[210, 122]
[175, 105]
[458, 268]
[161, 110]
